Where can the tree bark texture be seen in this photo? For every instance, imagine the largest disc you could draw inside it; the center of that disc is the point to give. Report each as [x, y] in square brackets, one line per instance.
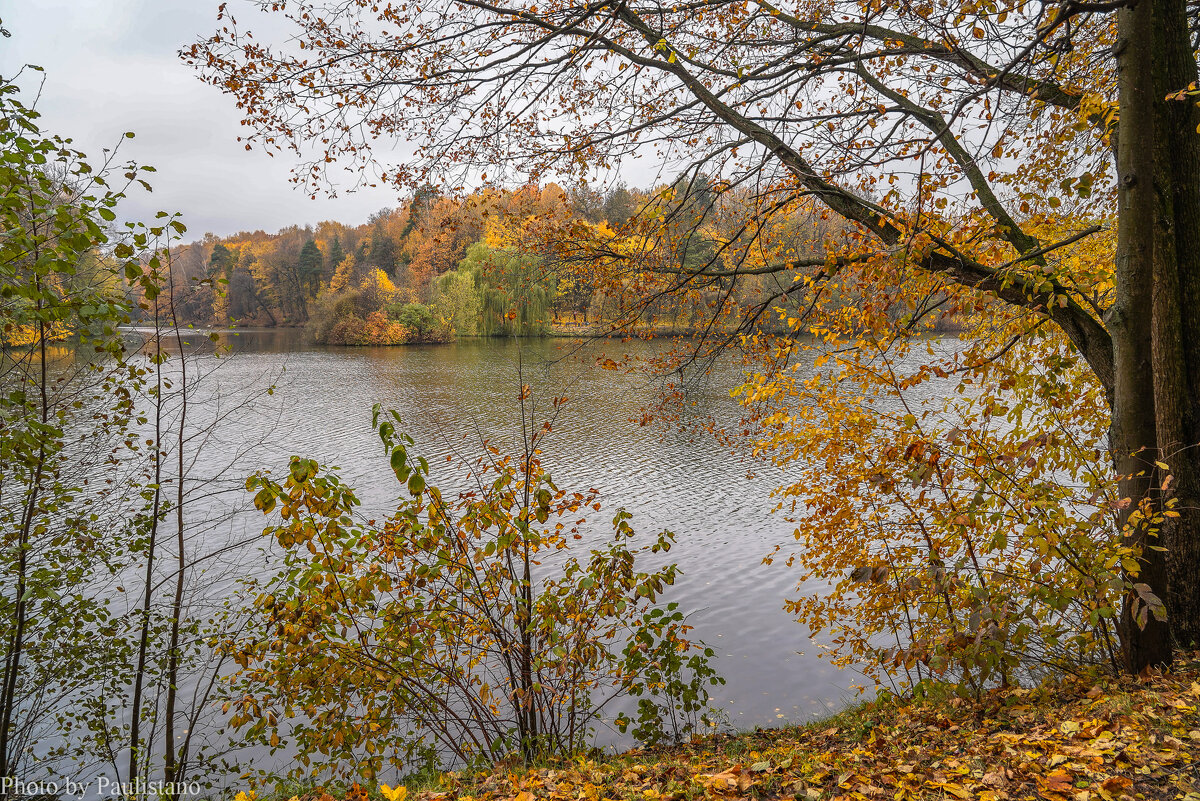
[1176, 313]
[1146, 642]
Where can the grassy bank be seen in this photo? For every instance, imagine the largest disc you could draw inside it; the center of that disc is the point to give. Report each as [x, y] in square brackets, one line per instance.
[1080, 739]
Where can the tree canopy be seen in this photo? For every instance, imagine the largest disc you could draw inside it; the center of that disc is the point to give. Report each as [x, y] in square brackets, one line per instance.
[983, 153]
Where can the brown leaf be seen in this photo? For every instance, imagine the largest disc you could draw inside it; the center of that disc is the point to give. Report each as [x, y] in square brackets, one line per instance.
[725, 781]
[1116, 787]
[994, 779]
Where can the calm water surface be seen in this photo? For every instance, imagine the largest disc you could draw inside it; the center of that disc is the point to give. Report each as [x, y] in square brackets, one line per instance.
[683, 482]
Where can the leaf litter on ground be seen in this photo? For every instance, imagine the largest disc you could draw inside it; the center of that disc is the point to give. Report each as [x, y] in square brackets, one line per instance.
[1077, 739]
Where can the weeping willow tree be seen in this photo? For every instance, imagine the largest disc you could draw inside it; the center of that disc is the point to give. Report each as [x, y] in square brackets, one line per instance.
[456, 302]
[513, 296]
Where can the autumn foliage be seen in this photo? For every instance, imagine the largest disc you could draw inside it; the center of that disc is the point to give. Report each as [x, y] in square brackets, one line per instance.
[1022, 499]
[460, 628]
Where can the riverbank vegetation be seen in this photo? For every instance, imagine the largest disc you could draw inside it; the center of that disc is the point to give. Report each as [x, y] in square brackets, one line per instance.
[409, 266]
[1084, 737]
[103, 633]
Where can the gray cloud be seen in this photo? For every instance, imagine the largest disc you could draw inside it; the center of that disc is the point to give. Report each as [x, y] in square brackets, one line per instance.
[111, 67]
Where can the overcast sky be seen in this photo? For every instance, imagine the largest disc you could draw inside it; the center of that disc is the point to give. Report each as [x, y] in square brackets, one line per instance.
[111, 67]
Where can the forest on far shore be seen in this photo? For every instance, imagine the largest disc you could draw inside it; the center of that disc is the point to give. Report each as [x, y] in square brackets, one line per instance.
[491, 263]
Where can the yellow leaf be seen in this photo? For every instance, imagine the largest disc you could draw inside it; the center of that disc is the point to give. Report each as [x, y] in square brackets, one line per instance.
[397, 794]
[950, 788]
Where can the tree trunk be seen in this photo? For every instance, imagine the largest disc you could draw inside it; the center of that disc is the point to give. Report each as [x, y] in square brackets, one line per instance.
[1145, 639]
[1177, 315]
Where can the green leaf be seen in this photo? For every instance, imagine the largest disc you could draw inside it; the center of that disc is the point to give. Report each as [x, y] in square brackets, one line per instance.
[399, 456]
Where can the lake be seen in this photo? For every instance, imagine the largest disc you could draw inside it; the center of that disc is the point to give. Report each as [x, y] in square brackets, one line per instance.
[449, 395]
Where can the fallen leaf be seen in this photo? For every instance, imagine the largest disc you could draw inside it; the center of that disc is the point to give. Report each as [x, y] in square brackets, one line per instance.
[950, 788]
[995, 779]
[1116, 787]
[1059, 781]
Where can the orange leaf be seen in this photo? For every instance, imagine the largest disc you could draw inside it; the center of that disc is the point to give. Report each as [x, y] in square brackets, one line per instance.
[1059, 781]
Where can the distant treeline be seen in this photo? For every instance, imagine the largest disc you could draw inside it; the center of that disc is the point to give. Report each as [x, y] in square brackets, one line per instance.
[431, 269]
[525, 262]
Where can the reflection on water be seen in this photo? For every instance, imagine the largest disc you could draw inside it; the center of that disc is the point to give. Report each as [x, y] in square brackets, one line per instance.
[449, 395]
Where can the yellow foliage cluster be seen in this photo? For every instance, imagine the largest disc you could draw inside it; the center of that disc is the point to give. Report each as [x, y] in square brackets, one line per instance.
[378, 283]
[342, 275]
[20, 336]
[952, 491]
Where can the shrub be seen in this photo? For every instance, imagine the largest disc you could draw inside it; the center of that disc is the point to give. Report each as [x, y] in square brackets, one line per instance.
[462, 628]
[340, 312]
[961, 513]
[379, 330]
[339, 320]
[416, 316]
[423, 325]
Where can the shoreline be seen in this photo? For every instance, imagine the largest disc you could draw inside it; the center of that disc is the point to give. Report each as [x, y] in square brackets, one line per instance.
[1085, 738]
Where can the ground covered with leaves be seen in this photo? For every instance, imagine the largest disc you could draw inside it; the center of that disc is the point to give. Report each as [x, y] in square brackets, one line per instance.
[1079, 739]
